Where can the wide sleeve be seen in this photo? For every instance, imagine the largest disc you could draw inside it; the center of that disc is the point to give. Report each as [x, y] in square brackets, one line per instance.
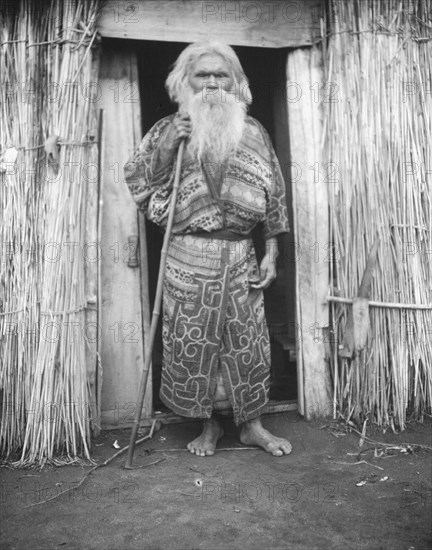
[276, 221]
[150, 182]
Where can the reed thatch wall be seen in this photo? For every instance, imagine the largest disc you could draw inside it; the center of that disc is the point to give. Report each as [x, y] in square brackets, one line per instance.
[378, 129]
[48, 175]
[378, 119]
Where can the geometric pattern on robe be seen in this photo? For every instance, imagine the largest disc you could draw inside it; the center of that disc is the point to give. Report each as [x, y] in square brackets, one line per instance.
[250, 188]
[213, 319]
[211, 316]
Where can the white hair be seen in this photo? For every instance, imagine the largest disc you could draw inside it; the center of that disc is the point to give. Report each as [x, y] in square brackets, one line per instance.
[217, 126]
[177, 79]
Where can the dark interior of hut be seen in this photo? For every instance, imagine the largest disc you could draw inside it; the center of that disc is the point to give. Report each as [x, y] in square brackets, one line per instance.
[265, 69]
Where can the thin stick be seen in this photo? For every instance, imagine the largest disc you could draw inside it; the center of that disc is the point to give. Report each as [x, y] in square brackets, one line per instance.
[156, 309]
[105, 463]
[360, 462]
[216, 450]
[372, 303]
[392, 445]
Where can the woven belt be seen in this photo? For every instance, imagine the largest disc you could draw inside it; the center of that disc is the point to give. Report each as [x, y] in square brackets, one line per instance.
[224, 234]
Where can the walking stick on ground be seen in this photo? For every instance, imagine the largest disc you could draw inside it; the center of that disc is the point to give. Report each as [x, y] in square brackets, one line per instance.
[156, 309]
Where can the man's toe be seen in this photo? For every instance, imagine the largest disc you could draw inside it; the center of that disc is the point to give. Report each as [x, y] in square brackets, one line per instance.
[286, 448]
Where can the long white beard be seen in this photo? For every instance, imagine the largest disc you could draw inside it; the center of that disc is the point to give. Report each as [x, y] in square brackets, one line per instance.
[217, 125]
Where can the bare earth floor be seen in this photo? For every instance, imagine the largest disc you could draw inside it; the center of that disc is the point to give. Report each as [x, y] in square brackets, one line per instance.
[316, 498]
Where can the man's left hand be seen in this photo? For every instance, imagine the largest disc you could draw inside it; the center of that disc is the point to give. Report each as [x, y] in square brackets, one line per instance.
[268, 272]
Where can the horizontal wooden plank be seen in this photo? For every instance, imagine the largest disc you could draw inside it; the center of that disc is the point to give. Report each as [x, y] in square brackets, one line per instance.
[263, 23]
[114, 420]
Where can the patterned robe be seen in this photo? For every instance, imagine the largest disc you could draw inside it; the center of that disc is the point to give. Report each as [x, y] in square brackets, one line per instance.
[212, 319]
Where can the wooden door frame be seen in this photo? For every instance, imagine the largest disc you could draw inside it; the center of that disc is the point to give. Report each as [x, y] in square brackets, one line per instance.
[123, 316]
[311, 228]
[310, 201]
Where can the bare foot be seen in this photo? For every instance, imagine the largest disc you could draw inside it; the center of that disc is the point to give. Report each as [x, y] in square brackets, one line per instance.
[253, 433]
[205, 444]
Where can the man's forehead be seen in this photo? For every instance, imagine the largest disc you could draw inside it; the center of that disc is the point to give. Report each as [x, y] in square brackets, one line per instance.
[211, 61]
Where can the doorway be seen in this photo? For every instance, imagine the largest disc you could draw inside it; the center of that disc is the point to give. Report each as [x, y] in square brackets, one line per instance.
[266, 71]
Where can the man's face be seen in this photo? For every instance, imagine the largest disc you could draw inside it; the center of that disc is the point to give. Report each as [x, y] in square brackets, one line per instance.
[211, 75]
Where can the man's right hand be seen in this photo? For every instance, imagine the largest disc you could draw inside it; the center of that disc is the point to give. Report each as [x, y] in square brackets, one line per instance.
[179, 129]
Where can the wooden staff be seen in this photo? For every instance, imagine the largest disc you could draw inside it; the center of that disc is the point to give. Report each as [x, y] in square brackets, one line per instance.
[156, 308]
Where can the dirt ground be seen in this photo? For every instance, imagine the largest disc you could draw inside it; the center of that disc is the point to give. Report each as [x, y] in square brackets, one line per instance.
[319, 497]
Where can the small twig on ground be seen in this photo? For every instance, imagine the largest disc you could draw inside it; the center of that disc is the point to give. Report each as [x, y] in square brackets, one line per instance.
[217, 450]
[358, 455]
[392, 445]
[337, 434]
[360, 462]
[196, 471]
[105, 463]
[170, 457]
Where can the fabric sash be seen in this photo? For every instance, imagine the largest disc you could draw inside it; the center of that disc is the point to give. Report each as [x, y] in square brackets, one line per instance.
[224, 234]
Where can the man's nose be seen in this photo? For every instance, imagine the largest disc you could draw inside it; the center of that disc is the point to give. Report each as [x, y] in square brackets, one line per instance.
[211, 82]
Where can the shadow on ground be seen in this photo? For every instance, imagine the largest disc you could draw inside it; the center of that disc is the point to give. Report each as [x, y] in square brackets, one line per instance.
[322, 496]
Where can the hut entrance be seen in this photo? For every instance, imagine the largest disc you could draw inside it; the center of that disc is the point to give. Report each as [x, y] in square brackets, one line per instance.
[265, 69]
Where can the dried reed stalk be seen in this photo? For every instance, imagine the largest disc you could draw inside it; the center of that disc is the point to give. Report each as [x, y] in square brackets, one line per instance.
[46, 63]
[378, 55]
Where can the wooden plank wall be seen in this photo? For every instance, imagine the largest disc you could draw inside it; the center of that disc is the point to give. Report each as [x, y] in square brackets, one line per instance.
[310, 206]
[281, 24]
[122, 321]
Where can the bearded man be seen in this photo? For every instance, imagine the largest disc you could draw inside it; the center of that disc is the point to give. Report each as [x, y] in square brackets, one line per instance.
[215, 338]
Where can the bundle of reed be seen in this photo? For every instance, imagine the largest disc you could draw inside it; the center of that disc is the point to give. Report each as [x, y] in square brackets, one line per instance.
[378, 135]
[47, 123]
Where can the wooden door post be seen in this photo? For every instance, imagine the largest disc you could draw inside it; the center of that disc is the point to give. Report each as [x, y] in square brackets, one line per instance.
[310, 206]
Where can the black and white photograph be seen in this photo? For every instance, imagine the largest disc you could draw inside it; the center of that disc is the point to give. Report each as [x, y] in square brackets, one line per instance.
[216, 274]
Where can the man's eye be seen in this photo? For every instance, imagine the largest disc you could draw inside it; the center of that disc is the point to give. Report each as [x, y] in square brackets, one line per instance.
[216, 75]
